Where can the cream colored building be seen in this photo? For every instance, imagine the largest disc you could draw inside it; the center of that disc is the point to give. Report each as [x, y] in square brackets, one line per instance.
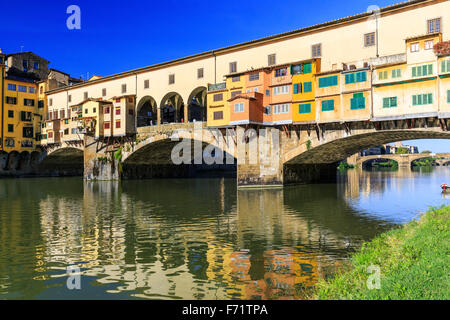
[353, 40]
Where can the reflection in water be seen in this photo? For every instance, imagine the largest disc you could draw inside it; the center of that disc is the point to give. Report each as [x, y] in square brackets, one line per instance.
[193, 239]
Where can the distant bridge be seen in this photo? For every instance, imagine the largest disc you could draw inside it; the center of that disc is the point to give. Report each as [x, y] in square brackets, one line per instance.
[406, 160]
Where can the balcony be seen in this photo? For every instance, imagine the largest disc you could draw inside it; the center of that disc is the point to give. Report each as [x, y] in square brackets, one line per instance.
[217, 86]
[387, 60]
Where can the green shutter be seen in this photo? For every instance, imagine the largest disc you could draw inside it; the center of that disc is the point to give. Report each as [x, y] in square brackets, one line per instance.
[425, 99]
[414, 100]
[295, 88]
[385, 102]
[430, 69]
[419, 100]
[394, 102]
[443, 64]
[414, 71]
[430, 98]
[448, 95]
[307, 87]
[307, 68]
[304, 108]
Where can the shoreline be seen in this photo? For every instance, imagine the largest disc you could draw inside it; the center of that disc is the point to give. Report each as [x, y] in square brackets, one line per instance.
[413, 262]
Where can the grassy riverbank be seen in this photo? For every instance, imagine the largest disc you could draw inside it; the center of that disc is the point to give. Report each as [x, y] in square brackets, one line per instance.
[414, 262]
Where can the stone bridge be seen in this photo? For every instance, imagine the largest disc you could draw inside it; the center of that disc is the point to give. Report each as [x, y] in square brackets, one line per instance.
[262, 156]
[406, 160]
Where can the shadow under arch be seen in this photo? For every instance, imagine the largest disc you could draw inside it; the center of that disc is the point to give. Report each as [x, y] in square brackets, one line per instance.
[154, 160]
[380, 159]
[172, 108]
[197, 105]
[147, 109]
[63, 162]
[342, 148]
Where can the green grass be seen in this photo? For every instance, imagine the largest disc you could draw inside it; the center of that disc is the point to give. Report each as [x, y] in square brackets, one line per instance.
[414, 263]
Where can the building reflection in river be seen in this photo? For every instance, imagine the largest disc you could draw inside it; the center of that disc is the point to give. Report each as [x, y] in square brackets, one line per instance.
[189, 239]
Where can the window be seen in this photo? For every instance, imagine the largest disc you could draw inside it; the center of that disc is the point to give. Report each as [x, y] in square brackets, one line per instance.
[255, 89]
[94, 110]
[415, 47]
[235, 93]
[358, 101]
[239, 107]
[307, 67]
[66, 131]
[50, 102]
[267, 110]
[171, 78]
[304, 108]
[50, 135]
[10, 114]
[200, 73]
[356, 77]
[233, 67]
[218, 97]
[118, 124]
[25, 65]
[86, 95]
[11, 100]
[41, 90]
[448, 96]
[10, 128]
[422, 71]
[267, 93]
[422, 99]
[317, 50]
[107, 110]
[445, 66]
[9, 142]
[117, 111]
[27, 143]
[104, 92]
[130, 112]
[327, 105]
[22, 89]
[328, 81]
[62, 114]
[12, 87]
[124, 88]
[280, 90]
[297, 88]
[86, 111]
[31, 90]
[218, 115]
[74, 130]
[307, 87]
[107, 125]
[236, 79]
[36, 65]
[146, 84]
[369, 39]
[272, 59]
[434, 25]
[390, 102]
[281, 72]
[297, 69]
[28, 102]
[382, 75]
[40, 103]
[281, 108]
[396, 73]
[253, 76]
[429, 44]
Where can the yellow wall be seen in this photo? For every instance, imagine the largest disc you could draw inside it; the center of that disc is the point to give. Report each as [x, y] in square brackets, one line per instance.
[16, 122]
[2, 75]
[444, 86]
[329, 116]
[216, 106]
[304, 97]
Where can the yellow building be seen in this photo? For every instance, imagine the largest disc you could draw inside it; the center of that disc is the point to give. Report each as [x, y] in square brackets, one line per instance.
[2, 97]
[304, 91]
[218, 105]
[21, 116]
[328, 96]
[406, 85]
[444, 79]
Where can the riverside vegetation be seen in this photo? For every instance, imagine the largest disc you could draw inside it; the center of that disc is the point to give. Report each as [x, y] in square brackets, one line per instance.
[413, 260]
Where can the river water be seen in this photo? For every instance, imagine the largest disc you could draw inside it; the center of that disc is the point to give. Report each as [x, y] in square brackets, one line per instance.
[198, 238]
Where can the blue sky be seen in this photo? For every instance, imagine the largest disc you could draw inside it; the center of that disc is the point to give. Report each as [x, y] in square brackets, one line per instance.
[116, 36]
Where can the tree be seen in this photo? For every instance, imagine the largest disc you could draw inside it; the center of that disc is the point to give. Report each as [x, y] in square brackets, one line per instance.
[426, 151]
[403, 150]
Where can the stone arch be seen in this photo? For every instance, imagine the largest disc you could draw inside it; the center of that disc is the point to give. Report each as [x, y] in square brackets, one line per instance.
[146, 111]
[197, 105]
[3, 160]
[334, 146]
[368, 160]
[172, 108]
[64, 161]
[13, 161]
[24, 161]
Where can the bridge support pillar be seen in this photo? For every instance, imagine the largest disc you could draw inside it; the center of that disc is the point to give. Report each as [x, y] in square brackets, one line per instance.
[99, 165]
